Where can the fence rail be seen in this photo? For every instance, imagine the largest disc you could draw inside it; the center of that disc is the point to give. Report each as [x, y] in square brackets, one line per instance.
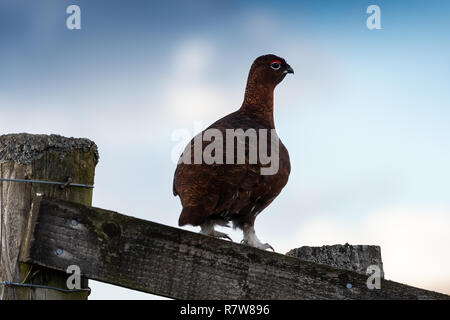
[41, 236]
[167, 261]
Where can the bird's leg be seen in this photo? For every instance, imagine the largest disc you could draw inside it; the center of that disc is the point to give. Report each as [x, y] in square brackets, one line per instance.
[207, 229]
[251, 239]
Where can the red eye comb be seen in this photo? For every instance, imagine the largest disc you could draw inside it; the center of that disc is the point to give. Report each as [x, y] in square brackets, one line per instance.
[275, 61]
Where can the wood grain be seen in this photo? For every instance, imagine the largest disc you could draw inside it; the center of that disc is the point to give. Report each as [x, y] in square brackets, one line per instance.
[171, 262]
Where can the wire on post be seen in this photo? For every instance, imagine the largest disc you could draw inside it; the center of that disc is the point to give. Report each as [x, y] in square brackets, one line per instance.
[39, 286]
[62, 185]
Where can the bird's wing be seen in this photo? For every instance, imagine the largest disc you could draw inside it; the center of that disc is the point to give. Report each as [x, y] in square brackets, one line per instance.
[217, 187]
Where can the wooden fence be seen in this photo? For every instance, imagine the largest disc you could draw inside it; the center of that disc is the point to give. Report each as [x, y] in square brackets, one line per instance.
[45, 228]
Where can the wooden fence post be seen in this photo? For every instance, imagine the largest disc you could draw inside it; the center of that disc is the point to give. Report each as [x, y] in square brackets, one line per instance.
[45, 158]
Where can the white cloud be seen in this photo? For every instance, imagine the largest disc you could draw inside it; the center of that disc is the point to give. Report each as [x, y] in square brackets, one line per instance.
[189, 92]
[192, 58]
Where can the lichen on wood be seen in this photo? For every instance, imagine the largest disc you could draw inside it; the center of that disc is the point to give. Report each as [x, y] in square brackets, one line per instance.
[23, 148]
[348, 257]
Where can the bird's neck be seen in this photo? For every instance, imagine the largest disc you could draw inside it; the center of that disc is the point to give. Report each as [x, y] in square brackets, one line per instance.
[258, 101]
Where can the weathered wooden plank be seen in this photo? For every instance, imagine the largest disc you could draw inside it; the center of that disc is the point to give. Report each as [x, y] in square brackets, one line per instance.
[47, 158]
[167, 261]
[349, 257]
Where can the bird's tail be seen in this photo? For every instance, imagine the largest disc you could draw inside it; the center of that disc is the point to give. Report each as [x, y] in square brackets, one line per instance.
[192, 215]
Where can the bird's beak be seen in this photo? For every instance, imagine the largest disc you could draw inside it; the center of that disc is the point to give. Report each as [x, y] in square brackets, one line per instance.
[289, 69]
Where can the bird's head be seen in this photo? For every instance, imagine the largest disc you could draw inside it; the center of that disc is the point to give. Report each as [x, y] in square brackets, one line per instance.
[269, 70]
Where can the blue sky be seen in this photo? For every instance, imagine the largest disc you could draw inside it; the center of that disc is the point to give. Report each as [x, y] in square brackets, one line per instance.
[365, 117]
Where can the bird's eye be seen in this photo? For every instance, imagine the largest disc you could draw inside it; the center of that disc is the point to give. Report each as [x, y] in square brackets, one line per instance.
[275, 65]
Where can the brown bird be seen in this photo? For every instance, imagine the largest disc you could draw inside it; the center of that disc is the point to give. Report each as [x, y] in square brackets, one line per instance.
[232, 190]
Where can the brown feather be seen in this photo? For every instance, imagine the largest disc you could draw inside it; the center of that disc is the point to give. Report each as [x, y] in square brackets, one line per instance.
[235, 192]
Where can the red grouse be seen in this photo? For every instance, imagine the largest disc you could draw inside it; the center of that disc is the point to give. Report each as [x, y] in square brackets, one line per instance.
[228, 188]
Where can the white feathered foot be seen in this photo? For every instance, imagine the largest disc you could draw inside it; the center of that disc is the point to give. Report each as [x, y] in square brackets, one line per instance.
[208, 230]
[251, 239]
